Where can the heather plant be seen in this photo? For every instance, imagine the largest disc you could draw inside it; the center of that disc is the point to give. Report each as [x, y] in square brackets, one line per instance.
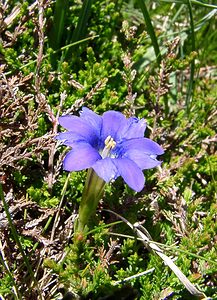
[81, 82]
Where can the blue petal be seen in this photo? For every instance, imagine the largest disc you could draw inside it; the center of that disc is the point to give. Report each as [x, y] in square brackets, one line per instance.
[106, 169]
[113, 122]
[79, 126]
[142, 144]
[80, 158]
[143, 161]
[70, 138]
[131, 173]
[134, 128]
[92, 118]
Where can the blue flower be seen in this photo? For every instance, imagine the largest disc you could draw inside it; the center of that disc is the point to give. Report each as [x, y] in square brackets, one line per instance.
[111, 144]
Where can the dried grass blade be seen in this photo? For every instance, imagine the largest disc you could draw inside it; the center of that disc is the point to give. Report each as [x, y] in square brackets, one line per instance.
[143, 234]
[168, 261]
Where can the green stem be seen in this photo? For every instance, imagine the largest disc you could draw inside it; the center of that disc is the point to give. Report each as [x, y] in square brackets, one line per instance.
[93, 190]
[190, 90]
[150, 30]
[81, 27]
[55, 36]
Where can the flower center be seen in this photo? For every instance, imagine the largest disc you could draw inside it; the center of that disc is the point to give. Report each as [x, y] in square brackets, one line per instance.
[109, 145]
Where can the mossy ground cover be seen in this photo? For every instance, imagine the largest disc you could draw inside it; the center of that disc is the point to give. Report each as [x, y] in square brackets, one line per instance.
[155, 60]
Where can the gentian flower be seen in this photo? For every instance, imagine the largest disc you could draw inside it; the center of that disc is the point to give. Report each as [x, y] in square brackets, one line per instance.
[111, 144]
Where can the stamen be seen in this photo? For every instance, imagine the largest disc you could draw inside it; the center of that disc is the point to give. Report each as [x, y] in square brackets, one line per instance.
[109, 145]
[107, 140]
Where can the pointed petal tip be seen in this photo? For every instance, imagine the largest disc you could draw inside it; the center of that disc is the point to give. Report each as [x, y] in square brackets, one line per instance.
[160, 150]
[65, 120]
[131, 173]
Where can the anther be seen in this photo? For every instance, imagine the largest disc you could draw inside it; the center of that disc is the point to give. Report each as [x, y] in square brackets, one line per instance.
[109, 145]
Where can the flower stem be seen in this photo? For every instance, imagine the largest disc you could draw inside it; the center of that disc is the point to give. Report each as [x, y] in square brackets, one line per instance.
[92, 193]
